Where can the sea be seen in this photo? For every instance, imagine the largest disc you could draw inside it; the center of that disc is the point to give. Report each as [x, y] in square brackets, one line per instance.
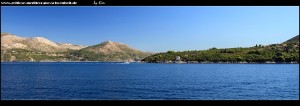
[148, 81]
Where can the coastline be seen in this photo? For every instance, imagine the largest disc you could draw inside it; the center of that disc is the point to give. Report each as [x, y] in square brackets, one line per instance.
[150, 62]
[209, 62]
[230, 63]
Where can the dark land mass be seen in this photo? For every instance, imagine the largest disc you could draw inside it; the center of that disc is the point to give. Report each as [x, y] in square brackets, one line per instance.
[286, 52]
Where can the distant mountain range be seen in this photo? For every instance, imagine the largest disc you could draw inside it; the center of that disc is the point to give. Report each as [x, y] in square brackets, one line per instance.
[15, 48]
[9, 41]
[39, 49]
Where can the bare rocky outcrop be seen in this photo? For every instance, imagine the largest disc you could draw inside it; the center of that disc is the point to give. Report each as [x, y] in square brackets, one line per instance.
[42, 49]
[10, 41]
[109, 47]
[70, 46]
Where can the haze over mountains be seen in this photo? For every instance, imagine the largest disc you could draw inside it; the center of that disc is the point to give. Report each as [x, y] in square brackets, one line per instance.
[15, 48]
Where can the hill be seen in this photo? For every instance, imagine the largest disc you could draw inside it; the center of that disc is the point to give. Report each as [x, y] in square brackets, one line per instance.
[15, 48]
[39, 44]
[275, 53]
[294, 40]
[109, 51]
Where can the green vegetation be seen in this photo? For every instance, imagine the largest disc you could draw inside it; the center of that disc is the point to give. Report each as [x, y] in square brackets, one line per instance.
[285, 52]
[29, 55]
[84, 55]
[71, 55]
[274, 53]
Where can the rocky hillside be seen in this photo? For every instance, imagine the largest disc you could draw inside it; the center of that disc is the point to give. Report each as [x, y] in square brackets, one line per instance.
[15, 48]
[109, 47]
[110, 51]
[70, 46]
[9, 41]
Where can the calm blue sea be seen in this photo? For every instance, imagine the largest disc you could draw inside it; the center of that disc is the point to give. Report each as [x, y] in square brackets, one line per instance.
[143, 81]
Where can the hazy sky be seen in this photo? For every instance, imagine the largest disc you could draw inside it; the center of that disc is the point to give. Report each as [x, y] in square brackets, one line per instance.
[155, 28]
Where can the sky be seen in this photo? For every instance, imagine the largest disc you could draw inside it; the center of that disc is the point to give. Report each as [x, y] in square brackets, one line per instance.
[156, 28]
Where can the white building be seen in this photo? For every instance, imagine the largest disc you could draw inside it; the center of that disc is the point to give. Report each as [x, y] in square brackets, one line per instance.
[177, 58]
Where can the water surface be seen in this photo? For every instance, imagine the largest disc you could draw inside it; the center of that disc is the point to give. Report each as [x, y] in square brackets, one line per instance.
[106, 81]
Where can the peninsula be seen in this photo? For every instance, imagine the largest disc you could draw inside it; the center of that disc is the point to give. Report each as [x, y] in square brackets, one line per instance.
[285, 52]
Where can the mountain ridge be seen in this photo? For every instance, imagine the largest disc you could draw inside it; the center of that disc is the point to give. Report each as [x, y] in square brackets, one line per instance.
[112, 51]
[15, 48]
[10, 41]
